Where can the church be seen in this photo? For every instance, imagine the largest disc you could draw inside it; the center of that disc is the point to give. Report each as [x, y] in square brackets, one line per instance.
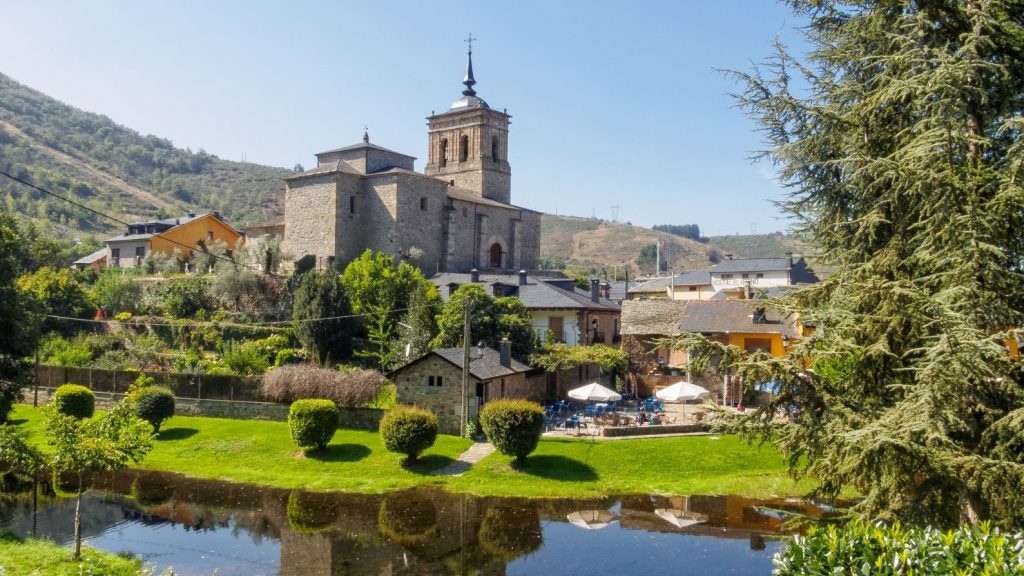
[455, 216]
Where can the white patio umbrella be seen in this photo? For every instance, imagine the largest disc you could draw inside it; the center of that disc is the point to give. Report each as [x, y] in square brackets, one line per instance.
[594, 392]
[680, 518]
[681, 392]
[591, 519]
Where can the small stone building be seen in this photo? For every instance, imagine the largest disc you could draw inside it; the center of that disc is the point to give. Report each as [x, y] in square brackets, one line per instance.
[455, 216]
[434, 382]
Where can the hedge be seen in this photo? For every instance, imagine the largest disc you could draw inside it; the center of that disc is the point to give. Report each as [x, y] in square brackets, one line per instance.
[513, 426]
[408, 430]
[313, 422]
[74, 400]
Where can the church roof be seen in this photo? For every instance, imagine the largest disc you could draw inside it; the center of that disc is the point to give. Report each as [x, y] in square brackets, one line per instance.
[467, 195]
[362, 145]
[326, 168]
[536, 294]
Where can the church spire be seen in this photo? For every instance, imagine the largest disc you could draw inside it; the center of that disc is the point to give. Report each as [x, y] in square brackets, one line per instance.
[469, 81]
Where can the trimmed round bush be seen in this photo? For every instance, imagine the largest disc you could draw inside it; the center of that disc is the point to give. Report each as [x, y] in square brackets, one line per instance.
[513, 426]
[154, 404]
[74, 400]
[408, 430]
[313, 422]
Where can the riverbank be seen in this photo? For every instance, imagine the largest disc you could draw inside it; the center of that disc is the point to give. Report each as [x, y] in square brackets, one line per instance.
[260, 452]
[45, 558]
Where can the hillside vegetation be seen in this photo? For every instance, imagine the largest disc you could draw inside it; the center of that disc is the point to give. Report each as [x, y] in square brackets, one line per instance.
[116, 170]
[612, 247]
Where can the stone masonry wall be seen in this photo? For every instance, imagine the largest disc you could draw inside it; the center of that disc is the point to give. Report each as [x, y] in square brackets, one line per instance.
[444, 400]
[423, 229]
[309, 207]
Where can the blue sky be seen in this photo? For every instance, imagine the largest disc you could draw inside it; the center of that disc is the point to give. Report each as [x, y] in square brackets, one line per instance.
[613, 103]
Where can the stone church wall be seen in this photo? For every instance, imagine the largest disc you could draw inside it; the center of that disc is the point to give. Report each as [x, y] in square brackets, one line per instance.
[309, 206]
[422, 228]
[351, 227]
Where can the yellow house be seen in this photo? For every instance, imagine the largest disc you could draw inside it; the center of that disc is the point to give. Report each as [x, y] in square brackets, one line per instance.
[185, 234]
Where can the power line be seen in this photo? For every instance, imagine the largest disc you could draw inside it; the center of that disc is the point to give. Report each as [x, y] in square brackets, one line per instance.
[122, 222]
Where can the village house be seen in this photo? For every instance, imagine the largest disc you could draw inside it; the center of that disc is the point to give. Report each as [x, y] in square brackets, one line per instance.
[559, 311]
[732, 278]
[184, 234]
[434, 382]
[745, 324]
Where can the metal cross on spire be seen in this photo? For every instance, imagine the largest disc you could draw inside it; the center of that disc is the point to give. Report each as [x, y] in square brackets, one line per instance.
[469, 40]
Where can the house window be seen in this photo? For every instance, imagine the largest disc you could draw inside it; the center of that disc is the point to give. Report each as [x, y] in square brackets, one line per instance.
[759, 275]
[209, 234]
[435, 380]
[693, 288]
[140, 250]
[726, 276]
[745, 275]
[556, 328]
[502, 388]
[423, 203]
[115, 255]
[464, 149]
[444, 152]
[351, 204]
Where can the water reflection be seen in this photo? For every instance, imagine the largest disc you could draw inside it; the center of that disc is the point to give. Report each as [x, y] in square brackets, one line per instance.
[199, 527]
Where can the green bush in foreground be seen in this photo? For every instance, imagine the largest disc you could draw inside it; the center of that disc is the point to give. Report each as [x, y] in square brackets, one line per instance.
[408, 430]
[74, 400]
[31, 556]
[313, 422]
[513, 426]
[154, 404]
[862, 548]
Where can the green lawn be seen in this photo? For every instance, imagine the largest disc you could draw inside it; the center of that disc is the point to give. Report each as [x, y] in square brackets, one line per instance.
[262, 453]
[44, 558]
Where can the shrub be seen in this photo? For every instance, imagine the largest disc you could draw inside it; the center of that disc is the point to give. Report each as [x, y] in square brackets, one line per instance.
[74, 400]
[289, 356]
[408, 430]
[184, 297]
[154, 404]
[313, 422]
[859, 547]
[347, 389]
[245, 358]
[9, 393]
[513, 426]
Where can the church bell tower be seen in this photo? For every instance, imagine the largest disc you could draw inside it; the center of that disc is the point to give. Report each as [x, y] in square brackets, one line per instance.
[468, 144]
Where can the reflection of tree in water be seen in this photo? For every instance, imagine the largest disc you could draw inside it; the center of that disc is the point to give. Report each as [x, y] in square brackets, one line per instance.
[408, 518]
[67, 485]
[509, 531]
[152, 489]
[311, 512]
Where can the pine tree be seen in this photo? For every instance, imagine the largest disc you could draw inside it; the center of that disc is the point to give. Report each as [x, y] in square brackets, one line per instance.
[322, 317]
[899, 142]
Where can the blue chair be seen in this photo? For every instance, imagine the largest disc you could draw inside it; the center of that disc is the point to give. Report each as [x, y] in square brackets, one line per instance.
[610, 408]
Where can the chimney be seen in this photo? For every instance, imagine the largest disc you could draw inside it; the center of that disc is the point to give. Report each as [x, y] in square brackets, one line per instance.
[747, 292]
[191, 214]
[522, 277]
[216, 215]
[505, 353]
[606, 288]
[474, 275]
[595, 290]
[728, 256]
[758, 316]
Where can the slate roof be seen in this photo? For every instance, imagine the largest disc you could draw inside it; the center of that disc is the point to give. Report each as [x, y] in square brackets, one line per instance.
[751, 265]
[536, 294]
[485, 367]
[664, 317]
[688, 278]
[127, 237]
[364, 145]
[326, 168]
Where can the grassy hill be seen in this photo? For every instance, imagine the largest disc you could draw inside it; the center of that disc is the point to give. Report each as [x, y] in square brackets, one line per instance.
[116, 170]
[760, 245]
[599, 245]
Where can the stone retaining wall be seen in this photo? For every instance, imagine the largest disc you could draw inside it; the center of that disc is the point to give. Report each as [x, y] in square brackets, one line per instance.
[358, 418]
[617, 431]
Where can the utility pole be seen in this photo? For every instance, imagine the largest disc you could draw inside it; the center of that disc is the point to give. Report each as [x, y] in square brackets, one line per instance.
[657, 258]
[465, 365]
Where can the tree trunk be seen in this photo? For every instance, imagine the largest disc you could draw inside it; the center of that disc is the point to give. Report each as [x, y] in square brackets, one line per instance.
[78, 521]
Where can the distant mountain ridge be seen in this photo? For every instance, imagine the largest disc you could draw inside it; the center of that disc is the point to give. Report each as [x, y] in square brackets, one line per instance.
[116, 170]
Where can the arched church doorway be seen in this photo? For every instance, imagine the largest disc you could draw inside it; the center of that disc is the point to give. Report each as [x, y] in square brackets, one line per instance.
[495, 255]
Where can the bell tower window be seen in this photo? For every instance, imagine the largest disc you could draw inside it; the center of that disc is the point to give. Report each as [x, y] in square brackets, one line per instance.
[464, 149]
[444, 152]
[494, 148]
